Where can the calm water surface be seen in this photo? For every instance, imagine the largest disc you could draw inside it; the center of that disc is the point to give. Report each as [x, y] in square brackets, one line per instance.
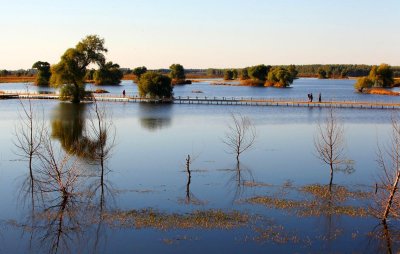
[146, 175]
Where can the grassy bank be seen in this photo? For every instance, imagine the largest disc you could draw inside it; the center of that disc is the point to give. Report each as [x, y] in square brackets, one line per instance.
[16, 79]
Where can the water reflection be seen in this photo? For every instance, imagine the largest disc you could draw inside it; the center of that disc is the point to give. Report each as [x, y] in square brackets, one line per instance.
[79, 131]
[154, 117]
[72, 194]
[68, 124]
[240, 177]
[384, 238]
[190, 198]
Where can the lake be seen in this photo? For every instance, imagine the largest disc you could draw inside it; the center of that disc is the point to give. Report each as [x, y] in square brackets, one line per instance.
[143, 200]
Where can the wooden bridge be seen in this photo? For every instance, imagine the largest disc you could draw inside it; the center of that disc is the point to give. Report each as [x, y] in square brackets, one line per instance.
[242, 101]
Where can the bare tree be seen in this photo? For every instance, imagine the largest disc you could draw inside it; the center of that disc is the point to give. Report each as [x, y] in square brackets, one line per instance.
[101, 132]
[240, 136]
[389, 161]
[28, 138]
[329, 143]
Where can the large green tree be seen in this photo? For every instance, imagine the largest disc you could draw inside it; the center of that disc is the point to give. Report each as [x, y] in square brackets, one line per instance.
[382, 75]
[280, 77]
[177, 73]
[108, 74]
[155, 85]
[69, 73]
[43, 73]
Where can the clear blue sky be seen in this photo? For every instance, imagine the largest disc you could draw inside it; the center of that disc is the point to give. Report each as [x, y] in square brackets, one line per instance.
[204, 33]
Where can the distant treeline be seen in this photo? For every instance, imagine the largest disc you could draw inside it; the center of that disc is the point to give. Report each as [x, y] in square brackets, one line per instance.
[18, 73]
[311, 70]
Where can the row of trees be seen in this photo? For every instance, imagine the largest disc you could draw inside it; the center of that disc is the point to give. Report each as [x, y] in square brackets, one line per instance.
[262, 75]
[312, 70]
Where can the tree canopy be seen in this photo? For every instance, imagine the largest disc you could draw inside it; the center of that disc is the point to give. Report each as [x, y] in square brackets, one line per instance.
[177, 72]
[70, 72]
[139, 71]
[281, 77]
[43, 73]
[379, 76]
[259, 72]
[108, 74]
[322, 73]
[155, 85]
[228, 75]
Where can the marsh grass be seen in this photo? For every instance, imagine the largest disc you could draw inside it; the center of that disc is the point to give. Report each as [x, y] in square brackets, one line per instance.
[149, 218]
[317, 200]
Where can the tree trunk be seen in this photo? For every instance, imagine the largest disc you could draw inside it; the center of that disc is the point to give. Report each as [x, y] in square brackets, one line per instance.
[392, 193]
[76, 98]
[330, 182]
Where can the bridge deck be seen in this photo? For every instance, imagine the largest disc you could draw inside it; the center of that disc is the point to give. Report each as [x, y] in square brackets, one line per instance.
[222, 101]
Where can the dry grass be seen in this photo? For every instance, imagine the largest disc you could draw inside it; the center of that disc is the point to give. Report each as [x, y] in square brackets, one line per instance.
[340, 193]
[100, 91]
[149, 218]
[250, 82]
[129, 77]
[16, 79]
[305, 208]
[380, 91]
[321, 202]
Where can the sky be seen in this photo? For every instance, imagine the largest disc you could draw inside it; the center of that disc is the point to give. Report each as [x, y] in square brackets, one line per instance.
[204, 33]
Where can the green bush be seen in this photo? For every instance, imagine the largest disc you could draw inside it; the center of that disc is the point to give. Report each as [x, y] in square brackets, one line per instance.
[362, 83]
[155, 85]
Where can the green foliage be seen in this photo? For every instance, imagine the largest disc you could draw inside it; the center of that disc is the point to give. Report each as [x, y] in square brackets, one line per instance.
[234, 74]
[155, 85]
[4, 73]
[382, 75]
[293, 71]
[43, 73]
[280, 77]
[364, 82]
[70, 72]
[244, 74]
[322, 73]
[177, 72]
[139, 71]
[108, 74]
[379, 76]
[228, 75]
[259, 72]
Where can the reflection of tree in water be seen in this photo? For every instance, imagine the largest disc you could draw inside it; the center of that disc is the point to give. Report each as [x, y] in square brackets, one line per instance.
[383, 238]
[190, 198]
[69, 126]
[154, 117]
[240, 177]
[70, 201]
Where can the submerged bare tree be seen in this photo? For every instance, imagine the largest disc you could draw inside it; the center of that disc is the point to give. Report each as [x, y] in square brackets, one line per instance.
[329, 143]
[28, 140]
[240, 136]
[388, 202]
[101, 132]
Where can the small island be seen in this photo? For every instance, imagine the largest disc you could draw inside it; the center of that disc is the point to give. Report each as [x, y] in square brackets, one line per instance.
[379, 81]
